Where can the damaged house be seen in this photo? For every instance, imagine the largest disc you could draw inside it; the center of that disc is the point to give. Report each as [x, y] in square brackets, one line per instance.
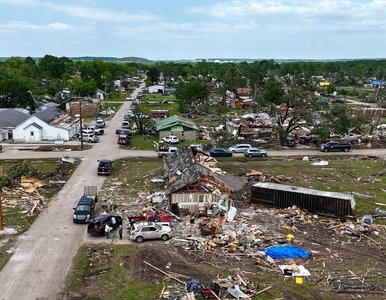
[194, 184]
[251, 126]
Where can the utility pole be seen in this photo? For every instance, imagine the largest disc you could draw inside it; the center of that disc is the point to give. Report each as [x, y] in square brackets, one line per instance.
[1, 212]
[106, 84]
[80, 124]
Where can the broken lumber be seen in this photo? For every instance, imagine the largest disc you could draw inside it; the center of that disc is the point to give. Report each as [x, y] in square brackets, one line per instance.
[162, 293]
[163, 272]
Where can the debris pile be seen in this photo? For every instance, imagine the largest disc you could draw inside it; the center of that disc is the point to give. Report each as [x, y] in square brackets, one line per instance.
[26, 196]
[259, 176]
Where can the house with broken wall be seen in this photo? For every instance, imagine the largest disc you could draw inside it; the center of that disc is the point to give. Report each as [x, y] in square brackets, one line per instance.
[9, 119]
[47, 125]
[195, 184]
[251, 126]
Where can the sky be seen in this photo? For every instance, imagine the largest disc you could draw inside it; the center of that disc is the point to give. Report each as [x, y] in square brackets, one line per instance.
[194, 29]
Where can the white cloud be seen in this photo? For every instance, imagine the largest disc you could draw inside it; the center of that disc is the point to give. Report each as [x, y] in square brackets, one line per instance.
[18, 2]
[98, 14]
[21, 25]
[238, 8]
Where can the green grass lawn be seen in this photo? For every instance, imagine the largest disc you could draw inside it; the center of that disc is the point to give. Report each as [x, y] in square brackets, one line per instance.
[106, 276]
[152, 102]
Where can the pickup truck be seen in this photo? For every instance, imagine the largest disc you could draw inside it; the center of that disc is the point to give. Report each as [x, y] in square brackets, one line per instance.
[96, 130]
[334, 146]
[84, 210]
[165, 151]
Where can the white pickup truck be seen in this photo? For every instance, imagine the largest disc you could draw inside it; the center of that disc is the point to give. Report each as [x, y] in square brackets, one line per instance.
[96, 130]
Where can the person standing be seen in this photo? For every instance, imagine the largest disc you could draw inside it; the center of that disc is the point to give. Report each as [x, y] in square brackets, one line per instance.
[120, 231]
[107, 231]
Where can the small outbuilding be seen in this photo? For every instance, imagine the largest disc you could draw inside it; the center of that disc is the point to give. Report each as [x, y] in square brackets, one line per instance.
[315, 201]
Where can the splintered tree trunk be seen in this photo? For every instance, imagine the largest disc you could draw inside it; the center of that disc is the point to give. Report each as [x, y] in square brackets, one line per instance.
[224, 98]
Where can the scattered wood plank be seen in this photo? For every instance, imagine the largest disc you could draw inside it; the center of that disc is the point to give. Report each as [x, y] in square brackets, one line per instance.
[163, 272]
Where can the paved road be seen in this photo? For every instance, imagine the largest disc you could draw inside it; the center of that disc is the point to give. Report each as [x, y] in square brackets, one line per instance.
[43, 255]
[121, 153]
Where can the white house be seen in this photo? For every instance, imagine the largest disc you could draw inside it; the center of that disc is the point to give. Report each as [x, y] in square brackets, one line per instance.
[155, 89]
[100, 94]
[48, 125]
[34, 129]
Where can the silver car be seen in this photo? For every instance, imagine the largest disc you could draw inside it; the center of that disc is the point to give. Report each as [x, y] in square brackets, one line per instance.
[240, 148]
[145, 231]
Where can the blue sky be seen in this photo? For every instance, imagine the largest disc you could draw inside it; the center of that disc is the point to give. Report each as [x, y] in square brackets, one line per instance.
[189, 29]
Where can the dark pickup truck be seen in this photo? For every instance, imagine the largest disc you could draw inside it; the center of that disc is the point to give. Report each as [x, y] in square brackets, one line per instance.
[335, 146]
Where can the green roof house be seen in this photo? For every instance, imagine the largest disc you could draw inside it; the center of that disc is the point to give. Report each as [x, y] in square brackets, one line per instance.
[182, 128]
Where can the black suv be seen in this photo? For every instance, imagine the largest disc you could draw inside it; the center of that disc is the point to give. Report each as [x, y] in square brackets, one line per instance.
[83, 212]
[105, 166]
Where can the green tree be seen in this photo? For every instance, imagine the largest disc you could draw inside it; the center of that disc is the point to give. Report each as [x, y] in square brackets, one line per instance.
[331, 88]
[192, 95]
[296, 107]
[273, 92]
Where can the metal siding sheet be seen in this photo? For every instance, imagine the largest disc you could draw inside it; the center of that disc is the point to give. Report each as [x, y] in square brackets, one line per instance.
[315, 203]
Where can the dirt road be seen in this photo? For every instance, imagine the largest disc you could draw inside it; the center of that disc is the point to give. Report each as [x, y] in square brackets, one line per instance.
[43, 254]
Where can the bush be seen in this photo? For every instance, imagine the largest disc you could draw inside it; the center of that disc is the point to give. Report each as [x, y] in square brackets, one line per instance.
[23, 168]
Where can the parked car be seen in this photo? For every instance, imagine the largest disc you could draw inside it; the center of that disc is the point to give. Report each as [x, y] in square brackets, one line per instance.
[123, 139]
[196, 147]
[240, 148]
[171, 139]
[123, 131]
[255, 152]
[290, 141]
[220, 152]
[83, 212]
[90, 138]
[150, 232]
[334, 146]
[97, 225]
[100, 123]
[105, 166]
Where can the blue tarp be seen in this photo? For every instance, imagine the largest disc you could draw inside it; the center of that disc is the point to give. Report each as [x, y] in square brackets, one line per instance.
[278, 252]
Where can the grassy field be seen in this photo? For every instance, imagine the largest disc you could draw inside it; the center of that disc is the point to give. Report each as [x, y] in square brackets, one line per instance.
[100, 272]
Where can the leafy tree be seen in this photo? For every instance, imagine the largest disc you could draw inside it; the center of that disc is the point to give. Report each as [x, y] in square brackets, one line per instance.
[53, 66]
[331, 88]
[273, 92]
[230, 80]
[153, 74]
[295, 109]
[83, 87]
[192, 95]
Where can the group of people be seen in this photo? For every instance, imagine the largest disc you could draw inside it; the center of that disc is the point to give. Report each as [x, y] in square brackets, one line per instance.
[113, 224]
